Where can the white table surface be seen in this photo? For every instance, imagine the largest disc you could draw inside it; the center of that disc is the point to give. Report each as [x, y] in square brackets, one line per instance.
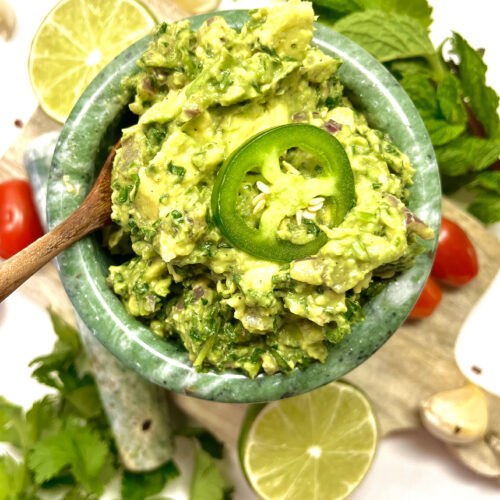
[408, 466]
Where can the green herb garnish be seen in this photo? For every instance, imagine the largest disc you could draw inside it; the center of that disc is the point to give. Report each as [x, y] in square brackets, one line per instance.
[458, 108]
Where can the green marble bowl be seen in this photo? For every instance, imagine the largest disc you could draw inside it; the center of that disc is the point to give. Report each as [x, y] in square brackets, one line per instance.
[95, 123]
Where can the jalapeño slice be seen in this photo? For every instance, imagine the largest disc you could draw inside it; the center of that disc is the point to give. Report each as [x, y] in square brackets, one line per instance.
[288, 193]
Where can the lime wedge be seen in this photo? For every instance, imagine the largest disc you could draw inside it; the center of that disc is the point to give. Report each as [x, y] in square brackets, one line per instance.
[75, 41]
[317, 446]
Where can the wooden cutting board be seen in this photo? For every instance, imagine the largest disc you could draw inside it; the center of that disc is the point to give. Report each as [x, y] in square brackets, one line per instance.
[416, 362]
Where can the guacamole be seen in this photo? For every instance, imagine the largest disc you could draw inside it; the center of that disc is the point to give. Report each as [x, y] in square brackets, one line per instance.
[198, 97]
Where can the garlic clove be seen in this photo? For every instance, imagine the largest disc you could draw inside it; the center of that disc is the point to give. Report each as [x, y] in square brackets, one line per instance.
[7, 20]
[458, 416]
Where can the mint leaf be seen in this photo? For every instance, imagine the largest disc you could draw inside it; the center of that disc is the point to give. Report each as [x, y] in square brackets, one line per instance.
[483, 100]
[139, 486]
[423, 94]
[441, 132]
[450, 100]
[489, 180]
[13, 428]
[332, 10]
[386, 36]
[207, 482]
[486, 207]
[417, 9]
[407, 67]
[466, 154]
[336, 9]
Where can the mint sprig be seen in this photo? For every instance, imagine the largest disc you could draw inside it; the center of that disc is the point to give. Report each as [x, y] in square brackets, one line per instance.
[449, 91]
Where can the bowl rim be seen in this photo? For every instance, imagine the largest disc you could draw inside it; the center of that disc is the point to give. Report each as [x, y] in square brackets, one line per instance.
[166, 363]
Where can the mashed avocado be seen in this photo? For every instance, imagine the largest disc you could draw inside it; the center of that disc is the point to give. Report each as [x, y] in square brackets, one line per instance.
[198, 97]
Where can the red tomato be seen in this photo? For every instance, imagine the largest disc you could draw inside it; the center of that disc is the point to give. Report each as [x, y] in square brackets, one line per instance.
[428, 301]
[456, 258]
[19, 222]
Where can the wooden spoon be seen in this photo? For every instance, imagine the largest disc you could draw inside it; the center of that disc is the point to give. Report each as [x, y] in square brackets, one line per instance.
[92, 214]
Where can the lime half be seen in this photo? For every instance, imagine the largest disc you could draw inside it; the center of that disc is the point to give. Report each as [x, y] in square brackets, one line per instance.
[317, 446]
[75, 41]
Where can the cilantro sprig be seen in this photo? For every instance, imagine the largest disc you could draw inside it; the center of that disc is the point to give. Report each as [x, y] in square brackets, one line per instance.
[448, 87]
[64, 444]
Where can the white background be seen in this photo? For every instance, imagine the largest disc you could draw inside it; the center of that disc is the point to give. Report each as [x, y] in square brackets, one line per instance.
[409, 466]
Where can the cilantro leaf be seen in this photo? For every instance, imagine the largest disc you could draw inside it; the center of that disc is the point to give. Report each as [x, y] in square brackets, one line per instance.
[387, 36]
[86, 401]
[207, 482]
[90, 455]
[12, 478]
[65, 332]
[483, 100]
[486, 207]
[77, 493]
[466, 154]
[49, 457]
[43, 420]
[12, 424]
[206, 439]
[48, 367]
[77, 447]
[139, 486]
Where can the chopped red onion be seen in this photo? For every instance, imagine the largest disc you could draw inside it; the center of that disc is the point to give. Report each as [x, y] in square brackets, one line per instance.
[299, 117]
[146, 85]
[332, 126]
[192, 112]
[413, 223]
[198, 293]
[418, 226]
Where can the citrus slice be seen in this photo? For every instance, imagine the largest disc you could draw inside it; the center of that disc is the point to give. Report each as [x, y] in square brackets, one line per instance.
[317, 446]
[75, 41]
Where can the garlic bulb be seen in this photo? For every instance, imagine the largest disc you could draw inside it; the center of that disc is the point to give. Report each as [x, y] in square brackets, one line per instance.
[458, 416]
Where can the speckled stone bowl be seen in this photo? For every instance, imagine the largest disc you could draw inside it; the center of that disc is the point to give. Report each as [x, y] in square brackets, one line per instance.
[95, 124]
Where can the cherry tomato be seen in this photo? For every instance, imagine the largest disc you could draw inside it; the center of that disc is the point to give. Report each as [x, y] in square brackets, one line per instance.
[456, 258]
[19, 222]
[428, 301]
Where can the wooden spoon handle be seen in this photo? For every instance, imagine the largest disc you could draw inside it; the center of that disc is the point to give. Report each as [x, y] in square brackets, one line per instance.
[92, 214]
[16, 270]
